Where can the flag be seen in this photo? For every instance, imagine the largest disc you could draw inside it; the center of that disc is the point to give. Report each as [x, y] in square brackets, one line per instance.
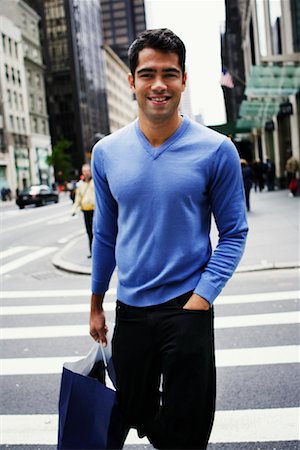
[226, 79]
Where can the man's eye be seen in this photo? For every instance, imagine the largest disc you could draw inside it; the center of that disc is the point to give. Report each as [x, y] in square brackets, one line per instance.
[146, 75]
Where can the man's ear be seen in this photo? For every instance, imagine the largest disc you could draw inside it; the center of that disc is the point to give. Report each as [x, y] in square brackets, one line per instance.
[131, 82]
[184, 80]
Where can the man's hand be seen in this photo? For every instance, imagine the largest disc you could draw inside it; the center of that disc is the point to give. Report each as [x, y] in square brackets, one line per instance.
[98, 328]
[197, 303]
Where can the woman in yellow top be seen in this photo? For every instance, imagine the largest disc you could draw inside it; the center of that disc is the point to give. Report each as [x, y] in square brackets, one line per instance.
[85, 200]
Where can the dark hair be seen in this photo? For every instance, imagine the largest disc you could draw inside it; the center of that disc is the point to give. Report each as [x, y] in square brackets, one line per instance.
[161, 39]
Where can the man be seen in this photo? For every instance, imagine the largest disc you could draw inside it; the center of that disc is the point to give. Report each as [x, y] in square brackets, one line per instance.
[85, 200]
[157, 181]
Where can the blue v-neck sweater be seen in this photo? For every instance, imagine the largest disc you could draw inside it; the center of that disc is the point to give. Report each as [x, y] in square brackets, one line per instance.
[153, 214]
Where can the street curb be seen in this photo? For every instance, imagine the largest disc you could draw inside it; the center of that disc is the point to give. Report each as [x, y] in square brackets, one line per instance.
[60, 263]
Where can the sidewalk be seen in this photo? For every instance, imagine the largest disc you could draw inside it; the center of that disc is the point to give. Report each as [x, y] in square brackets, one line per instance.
[273, 240]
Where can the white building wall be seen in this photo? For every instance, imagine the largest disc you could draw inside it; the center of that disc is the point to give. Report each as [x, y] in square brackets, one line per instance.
[121, 107]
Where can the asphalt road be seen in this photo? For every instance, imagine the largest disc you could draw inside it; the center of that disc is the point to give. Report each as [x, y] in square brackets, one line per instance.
[45, 321]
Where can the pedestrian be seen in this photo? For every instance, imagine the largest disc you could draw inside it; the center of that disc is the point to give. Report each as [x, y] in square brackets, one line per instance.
[292, 167]
[258, 175]
[247, 179]
[157, 182]
[85, 200]
[270, 174]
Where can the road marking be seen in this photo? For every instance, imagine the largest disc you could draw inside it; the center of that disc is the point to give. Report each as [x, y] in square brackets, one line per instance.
[286, 354]
[223, 299]
[51, 294]
[13, 251]
[32, 222]
[250, 425]
[26, 259]
[70, 238]
[254, 320]
[258, 298]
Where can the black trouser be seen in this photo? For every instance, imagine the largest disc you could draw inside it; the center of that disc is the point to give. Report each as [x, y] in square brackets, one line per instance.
[88, 220]
[177, 344]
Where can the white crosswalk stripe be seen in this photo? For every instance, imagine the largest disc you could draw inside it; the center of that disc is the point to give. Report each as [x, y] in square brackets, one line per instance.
[230, 426]
[260, 425]
[22, 261]
[81, 330]
[13, 251]
[285, 354]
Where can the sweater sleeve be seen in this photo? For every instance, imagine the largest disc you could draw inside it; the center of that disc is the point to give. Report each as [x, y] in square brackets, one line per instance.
[104, 227]
[228, 207]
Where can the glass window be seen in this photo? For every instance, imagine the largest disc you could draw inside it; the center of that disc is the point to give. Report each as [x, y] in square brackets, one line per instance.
[261, 27]
[40, 105]
[35, 125]
[11, 121]
[31, 102]
[29, 77]
[38, 80]
[6, 72]
[23, 124]
[21, 101]
[3, 42]
[9, 46]
[13, 74]
[275, 24]
[16, 50]
[16, 100]
[19, 77]
[9, 97]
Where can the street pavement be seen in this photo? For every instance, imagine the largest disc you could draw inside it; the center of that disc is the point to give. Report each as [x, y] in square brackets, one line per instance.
[44, 313]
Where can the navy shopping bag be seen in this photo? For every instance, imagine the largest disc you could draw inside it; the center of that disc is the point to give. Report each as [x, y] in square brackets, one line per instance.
[89, 415]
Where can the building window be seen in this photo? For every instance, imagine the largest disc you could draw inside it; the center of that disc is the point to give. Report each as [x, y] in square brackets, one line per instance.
[23, 124]
[18, 124]
[16, 100]
[38, 80]
[35, 125]
[9, 97]
[13, 74]
[31, 102]
[261, 28]
[29, 77]
[21, 102]
[16, 50]
[19, 77]
[275, 23]
[7, 72]
[9, 46]
[4, 42]
[11, 121]
[44, 127]
[40, 105]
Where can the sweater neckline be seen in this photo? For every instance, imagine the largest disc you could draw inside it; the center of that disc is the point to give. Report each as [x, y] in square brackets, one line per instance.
[155, 152]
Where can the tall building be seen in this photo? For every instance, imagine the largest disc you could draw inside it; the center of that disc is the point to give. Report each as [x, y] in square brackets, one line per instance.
[75, 81]
[27, 20]
[270, 40]
[233, 60]
[123, 21]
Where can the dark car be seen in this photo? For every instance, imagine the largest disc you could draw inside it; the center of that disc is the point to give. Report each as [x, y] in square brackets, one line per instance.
[38, 195]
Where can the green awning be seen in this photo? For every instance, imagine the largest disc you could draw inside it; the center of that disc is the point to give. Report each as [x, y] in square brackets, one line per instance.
[260, 109]
[273, 81]
[224, 128]
[246, 125]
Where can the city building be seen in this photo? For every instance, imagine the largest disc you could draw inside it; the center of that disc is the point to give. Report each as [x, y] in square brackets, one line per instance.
[185, 106]
[75, 81]
[123, 21]
[233, 60]
[122, 109]
[271, 48]
[27, 20]
[15, 150]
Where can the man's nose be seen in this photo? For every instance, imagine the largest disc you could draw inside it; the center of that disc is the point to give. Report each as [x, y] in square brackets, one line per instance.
[158, 84]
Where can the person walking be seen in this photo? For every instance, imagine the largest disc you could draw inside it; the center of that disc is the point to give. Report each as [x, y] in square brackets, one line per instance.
[85, 201]
[157, 182]
[292, 167]
[247, 179]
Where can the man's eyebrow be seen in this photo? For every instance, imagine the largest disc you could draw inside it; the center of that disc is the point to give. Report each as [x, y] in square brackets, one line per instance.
[149, 70]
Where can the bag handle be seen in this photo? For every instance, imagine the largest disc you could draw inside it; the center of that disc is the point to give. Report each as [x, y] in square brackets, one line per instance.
[103, 355]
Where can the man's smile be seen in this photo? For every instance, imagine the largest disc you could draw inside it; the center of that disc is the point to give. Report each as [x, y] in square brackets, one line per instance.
[161, 100]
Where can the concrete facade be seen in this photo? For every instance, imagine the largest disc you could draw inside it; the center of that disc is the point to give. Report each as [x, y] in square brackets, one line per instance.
[122, 109]
[33, 100]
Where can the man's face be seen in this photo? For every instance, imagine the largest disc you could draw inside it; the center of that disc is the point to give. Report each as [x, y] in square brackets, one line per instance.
[158, 83]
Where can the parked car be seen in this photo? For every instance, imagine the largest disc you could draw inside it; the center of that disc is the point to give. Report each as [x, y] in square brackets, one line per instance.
[38, 195]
